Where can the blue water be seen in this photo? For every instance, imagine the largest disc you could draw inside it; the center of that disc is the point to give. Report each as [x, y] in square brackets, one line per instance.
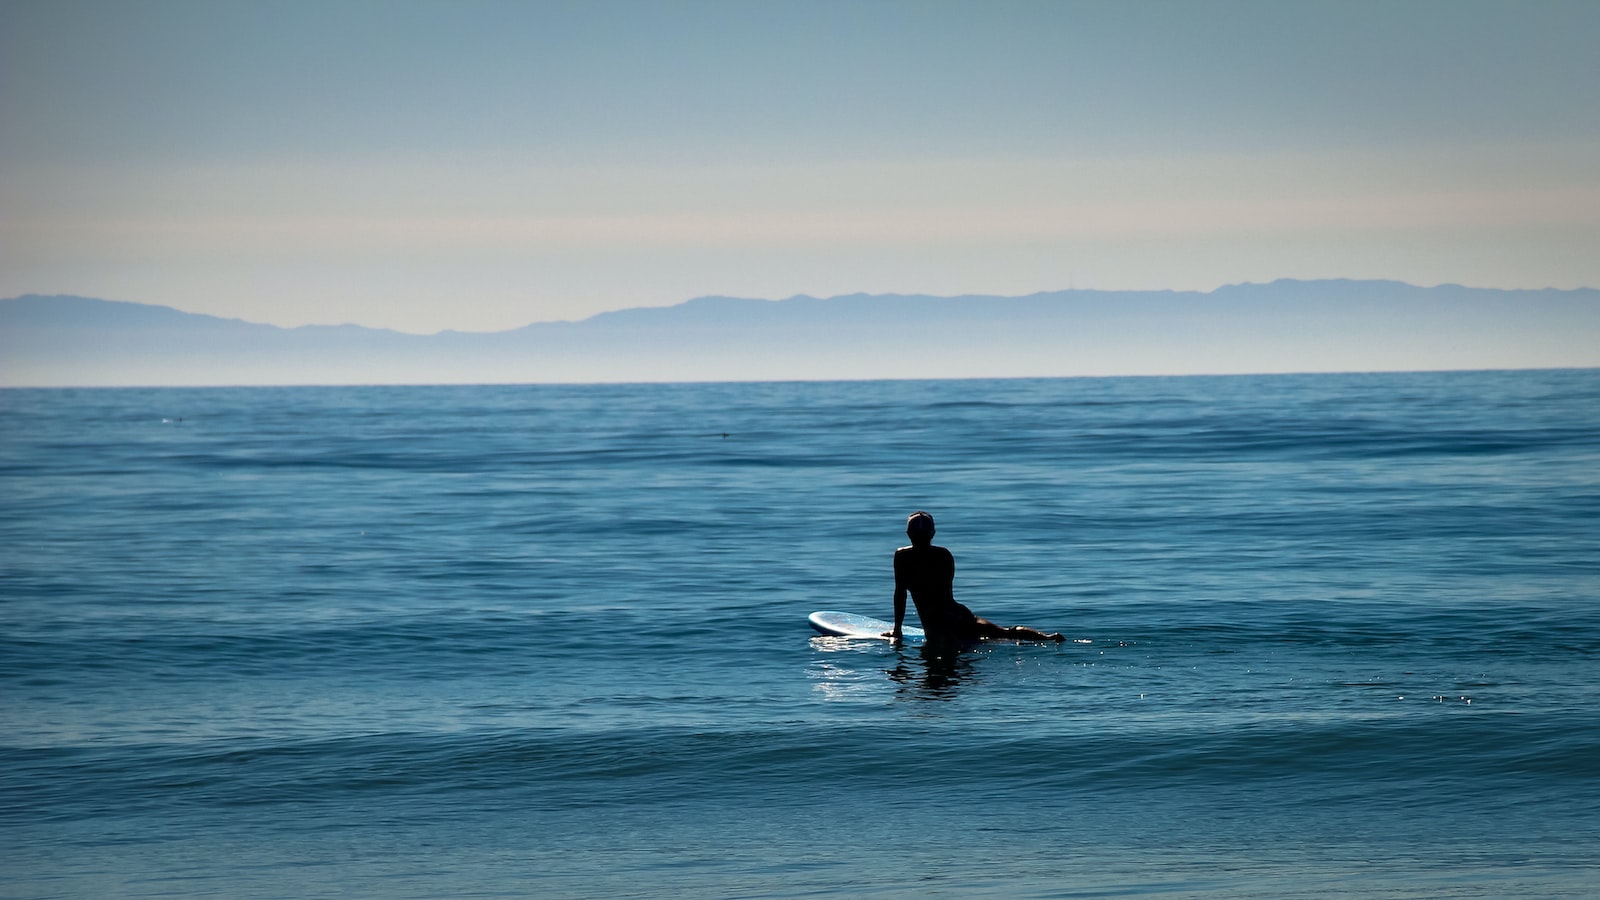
[1333, 635]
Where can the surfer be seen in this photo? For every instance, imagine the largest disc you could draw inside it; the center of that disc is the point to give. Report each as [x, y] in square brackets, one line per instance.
[929, 573]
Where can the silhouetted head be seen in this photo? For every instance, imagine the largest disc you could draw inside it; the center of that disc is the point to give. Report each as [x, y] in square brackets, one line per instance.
[919, 528]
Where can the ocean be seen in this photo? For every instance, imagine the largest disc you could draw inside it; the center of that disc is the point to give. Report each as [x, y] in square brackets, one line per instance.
[1331, 636]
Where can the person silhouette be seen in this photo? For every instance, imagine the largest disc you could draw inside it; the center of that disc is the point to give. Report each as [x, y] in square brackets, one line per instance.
[928, 573]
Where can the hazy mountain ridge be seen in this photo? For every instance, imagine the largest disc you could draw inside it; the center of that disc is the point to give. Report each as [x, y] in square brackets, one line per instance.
[1283, 326]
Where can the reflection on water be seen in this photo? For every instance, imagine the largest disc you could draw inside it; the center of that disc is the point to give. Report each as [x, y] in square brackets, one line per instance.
[836, 679]
[920, 671]
[931, 673]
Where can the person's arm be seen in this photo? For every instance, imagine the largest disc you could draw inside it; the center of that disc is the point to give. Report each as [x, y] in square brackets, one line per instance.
[899, 601]
[899, 610]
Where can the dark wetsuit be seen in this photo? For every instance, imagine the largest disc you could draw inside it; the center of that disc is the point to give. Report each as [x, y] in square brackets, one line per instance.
[929, 573]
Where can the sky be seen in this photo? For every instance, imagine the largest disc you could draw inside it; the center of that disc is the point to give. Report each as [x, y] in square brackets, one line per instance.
[481, 165]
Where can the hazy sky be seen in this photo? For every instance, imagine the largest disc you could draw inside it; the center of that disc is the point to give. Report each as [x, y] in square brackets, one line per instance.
[483, 165]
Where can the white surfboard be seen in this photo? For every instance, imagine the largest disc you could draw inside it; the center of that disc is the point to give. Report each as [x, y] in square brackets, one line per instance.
[851, 625]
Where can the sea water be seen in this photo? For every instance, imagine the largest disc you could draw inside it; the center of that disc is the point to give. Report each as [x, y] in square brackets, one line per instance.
[1332, 635]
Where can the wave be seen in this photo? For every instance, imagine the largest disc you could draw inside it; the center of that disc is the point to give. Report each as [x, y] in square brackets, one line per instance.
[1467, 761]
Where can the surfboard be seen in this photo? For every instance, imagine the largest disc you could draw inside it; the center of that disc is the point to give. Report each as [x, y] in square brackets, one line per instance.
[851, 625]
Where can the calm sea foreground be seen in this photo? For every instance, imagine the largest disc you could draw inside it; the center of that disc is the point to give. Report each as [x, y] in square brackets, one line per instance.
[1333, 635]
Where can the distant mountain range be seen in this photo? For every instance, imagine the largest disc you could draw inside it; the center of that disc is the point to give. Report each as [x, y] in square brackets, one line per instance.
[1285, 326]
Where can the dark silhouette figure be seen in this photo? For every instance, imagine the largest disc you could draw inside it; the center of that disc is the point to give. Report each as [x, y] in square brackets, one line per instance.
[929, 573]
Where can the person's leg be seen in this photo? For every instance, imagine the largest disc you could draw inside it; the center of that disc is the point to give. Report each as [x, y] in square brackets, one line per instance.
[1024, 633]
[990, 631]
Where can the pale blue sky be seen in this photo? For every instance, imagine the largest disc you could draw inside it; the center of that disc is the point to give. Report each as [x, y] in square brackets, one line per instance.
[483, 165]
